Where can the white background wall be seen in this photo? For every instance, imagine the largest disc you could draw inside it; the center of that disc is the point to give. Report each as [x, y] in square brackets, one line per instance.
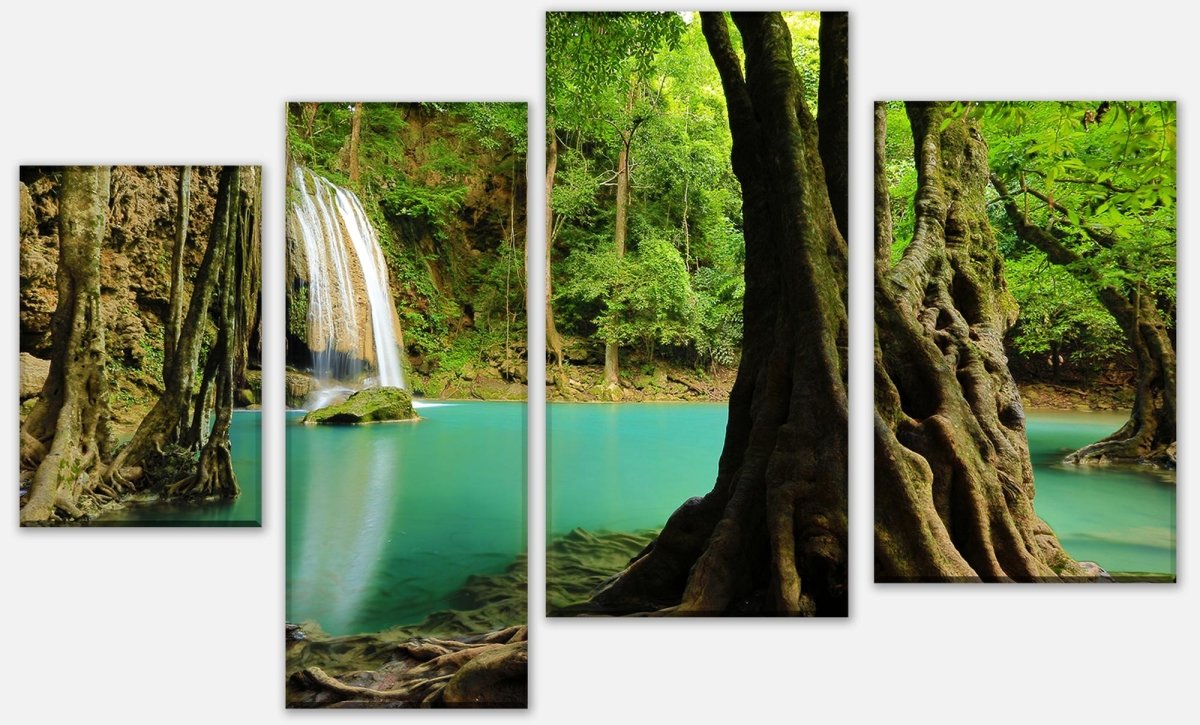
[186, 625]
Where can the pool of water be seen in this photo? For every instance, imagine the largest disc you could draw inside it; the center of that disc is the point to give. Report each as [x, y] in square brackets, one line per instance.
[385, 522]
[625, 467]
[245, 445]
[1122, 518]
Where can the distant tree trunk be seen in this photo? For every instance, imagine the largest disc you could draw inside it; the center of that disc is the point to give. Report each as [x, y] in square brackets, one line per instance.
[308, 114]
[248, 270]
[770, 538]
[355, 127]
[833, 111]
[172, 412]
[953, 480]
[171, 334]
[1149, 435]
[65, 435]
[612, 371]
[214, 475]
[553, 339]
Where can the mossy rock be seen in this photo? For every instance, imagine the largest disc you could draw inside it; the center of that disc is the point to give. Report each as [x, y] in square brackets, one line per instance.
[372, 405]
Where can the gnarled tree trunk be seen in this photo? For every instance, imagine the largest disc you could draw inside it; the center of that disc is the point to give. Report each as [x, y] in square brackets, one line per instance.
[770, 538]
[953, 479]
[65, 435]
[1149, 435]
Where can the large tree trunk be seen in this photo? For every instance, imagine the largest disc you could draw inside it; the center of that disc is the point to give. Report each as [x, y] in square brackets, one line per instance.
[67, 431]
[172, 412]
[770, 538]
[953, 480]
[1149, 435]
[553, 338]
[833, 111]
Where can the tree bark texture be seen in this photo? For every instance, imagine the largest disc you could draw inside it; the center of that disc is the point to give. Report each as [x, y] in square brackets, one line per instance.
[770, 538]
[65, 435]
[612, 350]
[953, 479]
[833, 111]
[214, 474]
[553, 338]
[175, 312]
[1149, 435]
[172, 412]
[355, 129]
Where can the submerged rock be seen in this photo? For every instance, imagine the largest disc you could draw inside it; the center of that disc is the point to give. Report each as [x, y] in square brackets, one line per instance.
[366, 406]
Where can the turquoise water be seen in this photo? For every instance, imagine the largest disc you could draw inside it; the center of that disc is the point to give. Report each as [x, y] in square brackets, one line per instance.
[627, 466]
[1121, 518]
[624, 467]
[245, 445]
[385, 522]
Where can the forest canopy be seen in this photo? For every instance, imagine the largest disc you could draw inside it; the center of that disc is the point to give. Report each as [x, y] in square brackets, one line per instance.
[646, 246]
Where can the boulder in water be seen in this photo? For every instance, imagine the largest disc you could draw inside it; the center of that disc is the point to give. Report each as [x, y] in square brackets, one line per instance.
[372, 405]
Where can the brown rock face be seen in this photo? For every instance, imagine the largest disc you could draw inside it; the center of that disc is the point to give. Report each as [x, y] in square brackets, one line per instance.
[34, 372]
[135, 259]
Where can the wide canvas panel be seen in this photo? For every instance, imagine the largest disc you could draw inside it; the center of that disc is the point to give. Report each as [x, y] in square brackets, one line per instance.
[406, 425]
[696, 313]
[140, 345]
[1025, 329]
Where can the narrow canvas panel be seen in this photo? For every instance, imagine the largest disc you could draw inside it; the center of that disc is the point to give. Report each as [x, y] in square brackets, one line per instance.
[1025, 324]
[696, 313]
[406, 388]
[140, 346]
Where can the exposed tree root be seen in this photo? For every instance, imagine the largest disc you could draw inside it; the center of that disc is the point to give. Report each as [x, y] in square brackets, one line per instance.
[487, 671]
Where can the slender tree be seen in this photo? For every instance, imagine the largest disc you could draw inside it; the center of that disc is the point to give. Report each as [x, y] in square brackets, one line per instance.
[355, 133]
[771, 535]
[953, 479]
[65, 436]
[175, 312]
[172, 412]
[553, 338]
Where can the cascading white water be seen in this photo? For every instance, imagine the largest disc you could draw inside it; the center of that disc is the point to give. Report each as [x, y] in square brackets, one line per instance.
[352, 326]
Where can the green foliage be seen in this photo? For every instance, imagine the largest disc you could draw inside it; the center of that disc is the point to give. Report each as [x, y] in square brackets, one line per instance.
[1100, 174]
[648, 77]
[1059, 314]
[428, 173]
[297, 315]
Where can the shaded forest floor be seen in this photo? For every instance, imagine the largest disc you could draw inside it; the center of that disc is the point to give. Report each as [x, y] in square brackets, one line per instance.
[1039, 394]
[643, 382]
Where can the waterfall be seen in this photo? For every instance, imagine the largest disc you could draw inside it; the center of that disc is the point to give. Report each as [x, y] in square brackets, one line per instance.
[351, 327]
